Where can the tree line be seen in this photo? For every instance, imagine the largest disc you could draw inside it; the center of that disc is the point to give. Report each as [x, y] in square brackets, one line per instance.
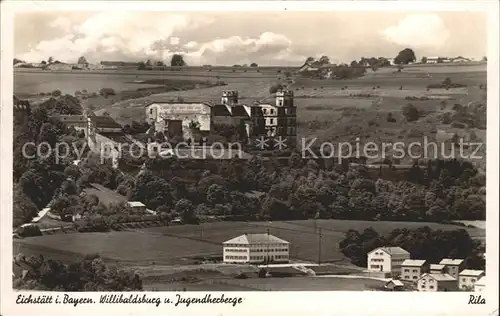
[422, 243]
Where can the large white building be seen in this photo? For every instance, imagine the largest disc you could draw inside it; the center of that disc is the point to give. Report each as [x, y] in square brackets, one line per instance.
[387, 259]
[256, 248]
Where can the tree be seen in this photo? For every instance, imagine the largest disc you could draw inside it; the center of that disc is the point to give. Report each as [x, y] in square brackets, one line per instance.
[185, 209]
[160, 63]
[149, 63]
[324, 60]
[309, 59]
[177, 61]
[50, 60]
[405, 57]
[254, 65]
[424, 60]
[82, 61]
[142, 66]
[411, 113]
[43, 62]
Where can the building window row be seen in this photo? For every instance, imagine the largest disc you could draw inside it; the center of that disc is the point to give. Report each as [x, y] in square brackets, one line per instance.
[236, 257]
[267, 245]
[377, 260]
[236, 250]
[374, 266]
[270, 250]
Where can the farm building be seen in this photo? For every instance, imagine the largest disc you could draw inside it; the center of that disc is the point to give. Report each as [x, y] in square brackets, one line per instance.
[307, 66]
[137, 206]
[468, 278]
[411, 270]
[256, 248]
[429, 282]
[394, 285]
[387, 259]
[453, 266]
[460, 59]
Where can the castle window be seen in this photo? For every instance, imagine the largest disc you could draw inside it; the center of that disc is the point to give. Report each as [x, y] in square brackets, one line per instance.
[151, 111]
[271, 121]
[280, 102]
[272, 111]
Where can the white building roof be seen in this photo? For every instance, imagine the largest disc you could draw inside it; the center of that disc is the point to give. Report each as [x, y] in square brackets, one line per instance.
[453, 262]
[392, 250]
[248, 239]
[439, 277]
[396, 282]
[437, 266]
[135, 204]
[413, 263]
[469, 272]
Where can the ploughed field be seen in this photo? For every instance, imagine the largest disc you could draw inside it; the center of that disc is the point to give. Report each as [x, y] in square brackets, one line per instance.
[181, 244]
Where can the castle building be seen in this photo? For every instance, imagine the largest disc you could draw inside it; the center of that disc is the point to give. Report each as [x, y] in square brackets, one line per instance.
[281, 117]
[181, 119]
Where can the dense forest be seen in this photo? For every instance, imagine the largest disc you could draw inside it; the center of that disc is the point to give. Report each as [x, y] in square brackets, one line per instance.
[89, 274]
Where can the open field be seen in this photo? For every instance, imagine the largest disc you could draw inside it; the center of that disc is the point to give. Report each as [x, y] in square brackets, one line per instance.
[271, 284]
[28, 81]
[179, 244]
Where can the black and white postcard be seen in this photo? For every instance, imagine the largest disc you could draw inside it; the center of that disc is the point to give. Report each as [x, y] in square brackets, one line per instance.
[243, 158]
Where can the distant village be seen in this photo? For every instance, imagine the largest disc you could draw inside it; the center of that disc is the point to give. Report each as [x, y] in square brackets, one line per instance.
[56, 65]
[392, 263]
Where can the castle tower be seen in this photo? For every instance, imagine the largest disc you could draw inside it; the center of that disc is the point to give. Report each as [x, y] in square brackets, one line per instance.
[229, 97]
[284, 98]
[287, 117]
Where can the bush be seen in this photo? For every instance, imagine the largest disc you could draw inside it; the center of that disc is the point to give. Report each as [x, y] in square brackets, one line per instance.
[56, 93]
[275, 88]
[241, 276]
[391, 118]
[29, 231]
[262, 273]
[105, 92]
[411, 113]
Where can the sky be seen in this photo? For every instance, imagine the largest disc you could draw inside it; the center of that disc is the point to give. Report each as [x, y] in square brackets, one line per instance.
[227, 38]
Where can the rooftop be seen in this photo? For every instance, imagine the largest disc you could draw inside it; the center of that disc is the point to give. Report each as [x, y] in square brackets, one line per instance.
[393, 250]
[247, 239]
[413, 263]
[439, 277]
[396, 282]
[135, 204]
[437, 266]
[469, 272]
[453, 262]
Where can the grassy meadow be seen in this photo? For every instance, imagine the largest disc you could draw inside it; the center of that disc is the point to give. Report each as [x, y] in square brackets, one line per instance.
[180, 244]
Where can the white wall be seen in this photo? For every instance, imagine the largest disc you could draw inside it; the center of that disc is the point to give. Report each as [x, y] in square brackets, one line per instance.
[378, 259]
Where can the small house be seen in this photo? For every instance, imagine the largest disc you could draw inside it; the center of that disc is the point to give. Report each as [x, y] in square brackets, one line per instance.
[430, 282]
[394, 285]
[453, 266]
[468, 278]
[411, 270]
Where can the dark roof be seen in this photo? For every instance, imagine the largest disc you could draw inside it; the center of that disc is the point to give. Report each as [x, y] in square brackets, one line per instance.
[239, 110]
[220, 110]
[104, 122]
[68, 119]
